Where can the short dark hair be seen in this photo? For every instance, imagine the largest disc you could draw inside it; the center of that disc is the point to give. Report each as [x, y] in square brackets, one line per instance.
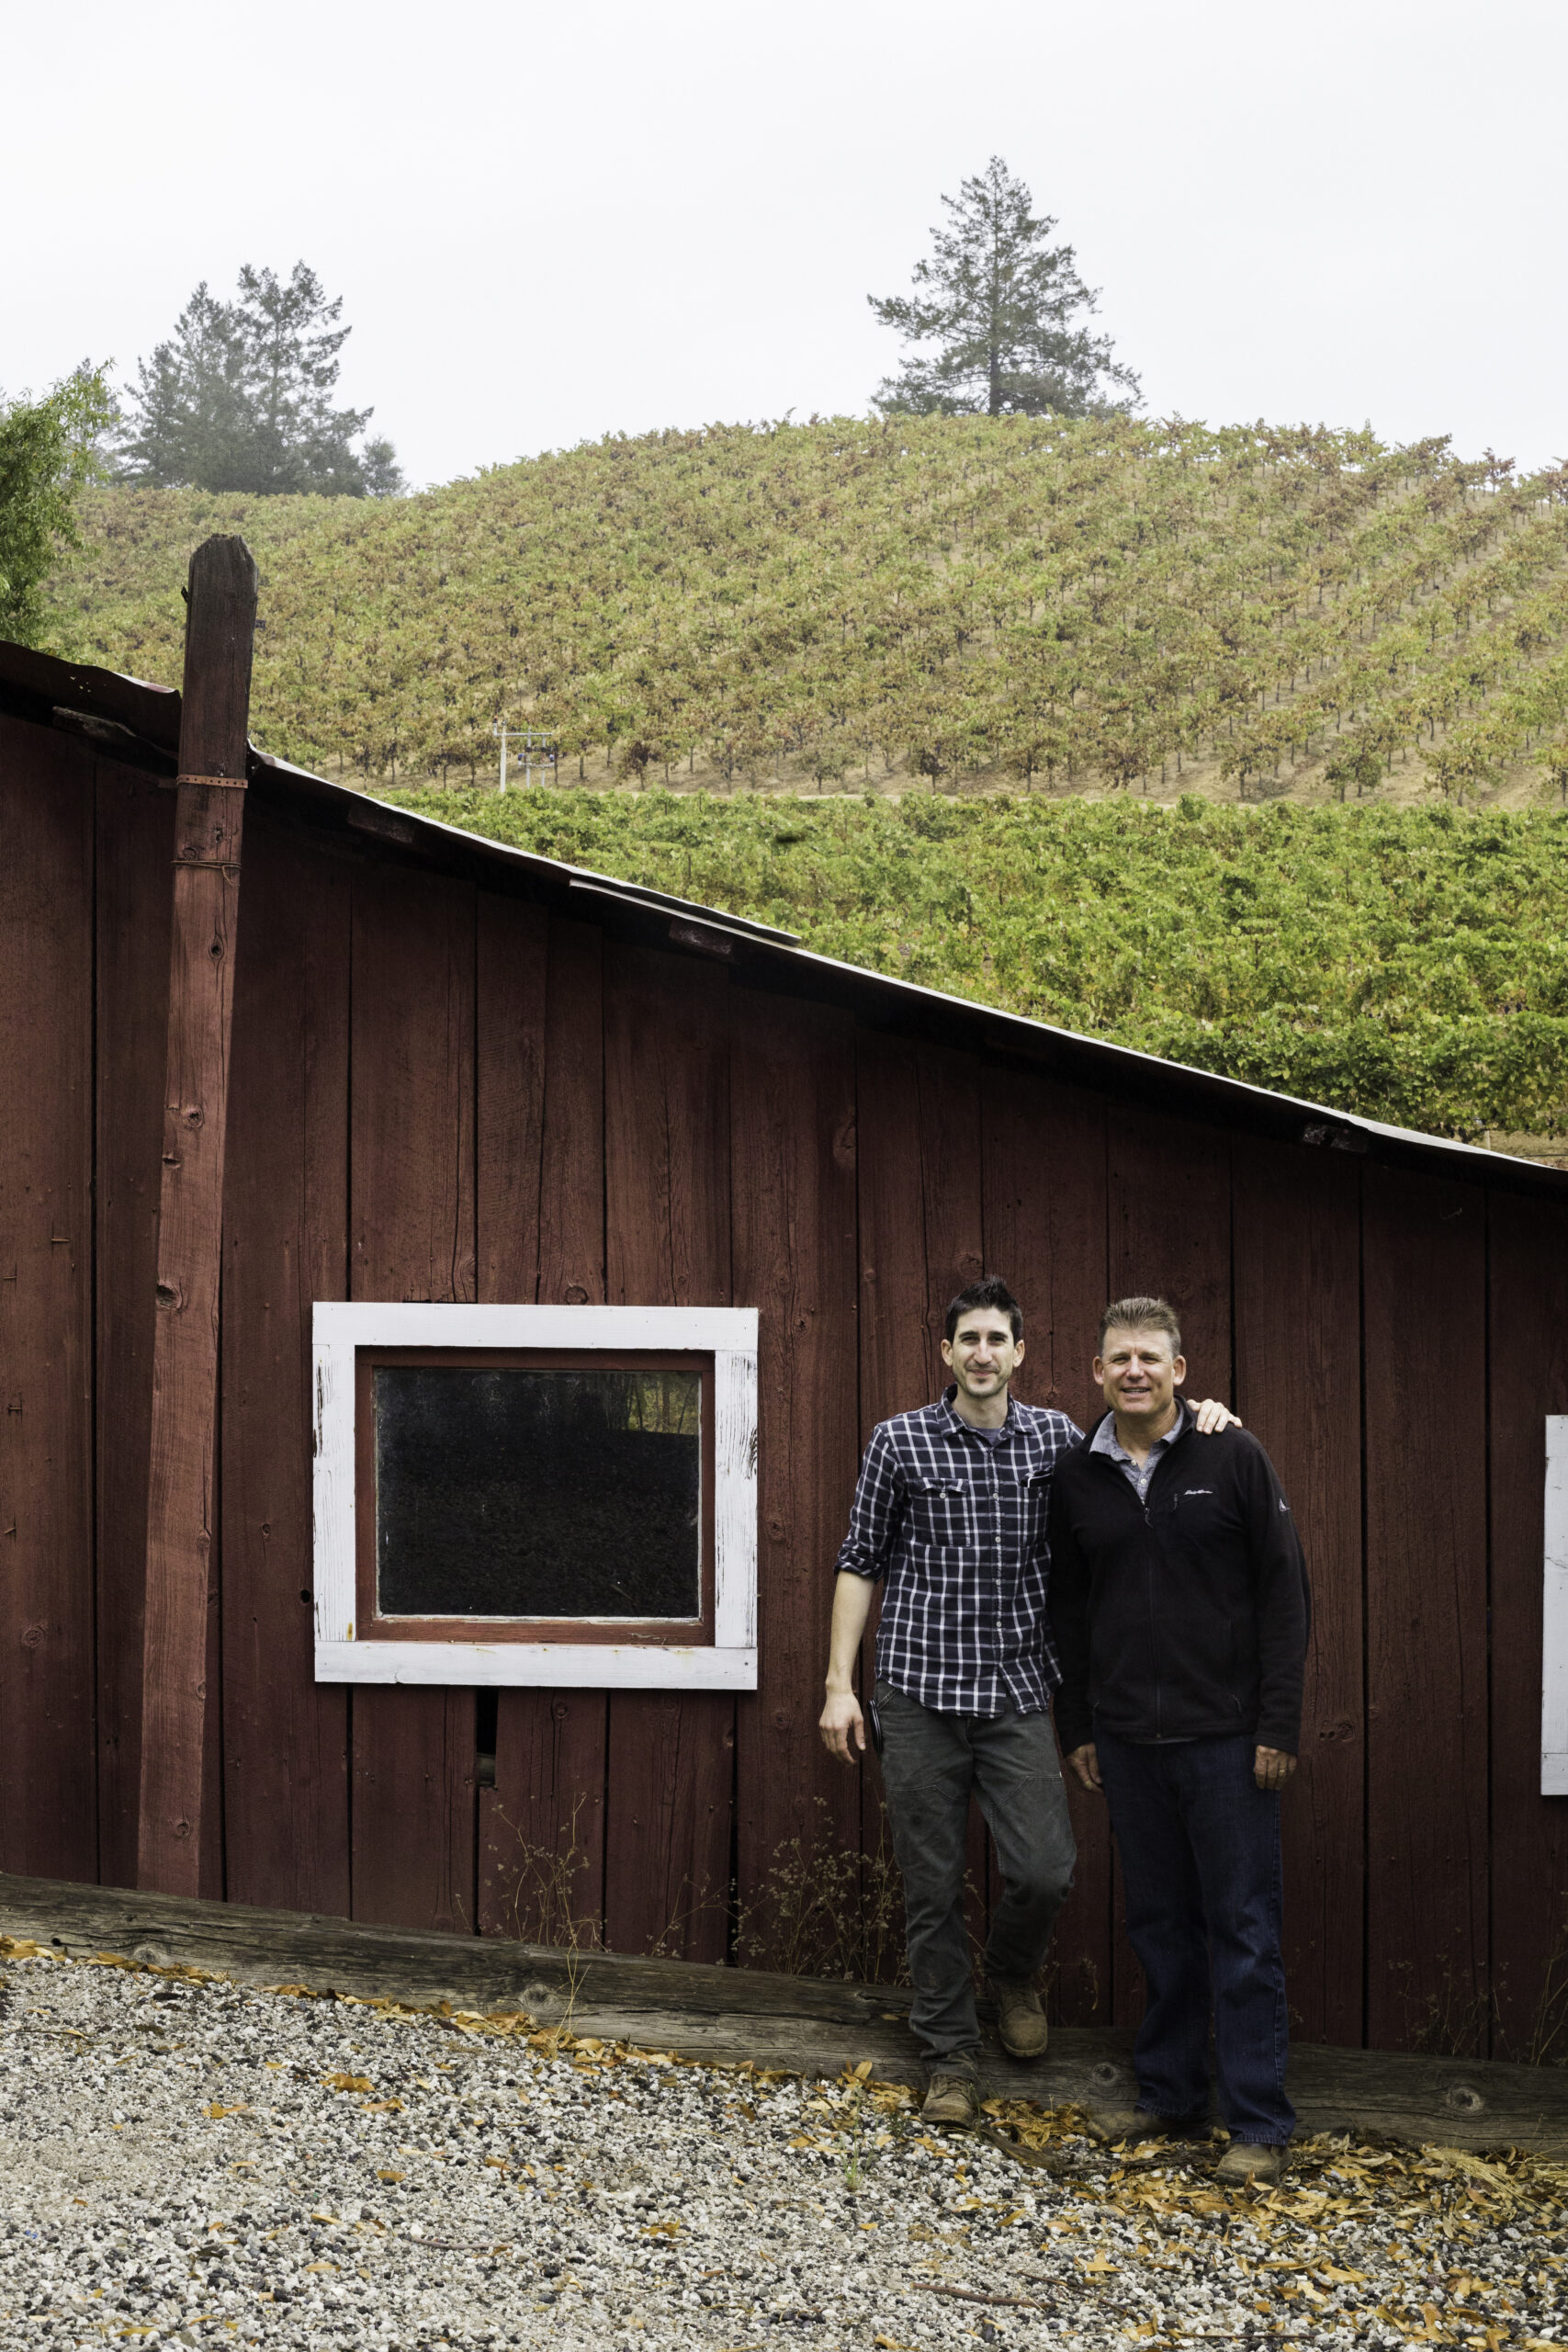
[990, 1291]
[1141, 1315]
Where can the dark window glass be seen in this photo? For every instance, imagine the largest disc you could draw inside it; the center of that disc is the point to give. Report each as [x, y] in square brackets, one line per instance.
[517, 1492]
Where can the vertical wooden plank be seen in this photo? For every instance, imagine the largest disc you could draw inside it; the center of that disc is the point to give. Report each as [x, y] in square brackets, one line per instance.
[182, 1506]
[542, 1079]
[47, 1765]
[1424, 1244]
[793, 1184]
[1045, 1221]
[670, 1768]
[900, 1363]
[542, 1824]
[571, 1185]
[1527, 1308]
[411, 1233]
[919, 1163]
[1170, 1231]
[285, 1245]
[1045, 1229]
[1297, 1234]
[513, 949]
[1169, 1210]
[134, 843]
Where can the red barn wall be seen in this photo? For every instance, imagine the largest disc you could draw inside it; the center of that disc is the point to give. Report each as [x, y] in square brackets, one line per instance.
[441, 1091]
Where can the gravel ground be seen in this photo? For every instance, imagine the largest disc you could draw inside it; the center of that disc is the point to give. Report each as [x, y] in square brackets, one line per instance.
[187, 2161]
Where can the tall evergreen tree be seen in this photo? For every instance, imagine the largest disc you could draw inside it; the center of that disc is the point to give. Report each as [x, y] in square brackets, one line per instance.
[239, 398]
[1001, 306]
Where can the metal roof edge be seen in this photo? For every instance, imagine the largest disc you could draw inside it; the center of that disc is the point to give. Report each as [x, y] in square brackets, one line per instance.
[1333, 1121]
[113, 693]
[608, 885]
[1338, 1126]
[151, 711]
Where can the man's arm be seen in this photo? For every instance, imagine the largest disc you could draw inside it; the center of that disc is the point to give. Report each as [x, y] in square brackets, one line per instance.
[1283, 1614]
[863, 1559]
[841, 1713]
[1069, 1633]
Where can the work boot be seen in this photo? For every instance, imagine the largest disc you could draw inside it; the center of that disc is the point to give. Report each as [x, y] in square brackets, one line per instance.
[1021, 2020]
[952, 2099]
[1110, 2124]
[1250, 2164]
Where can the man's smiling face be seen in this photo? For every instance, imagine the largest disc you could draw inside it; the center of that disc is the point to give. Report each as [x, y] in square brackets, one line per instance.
[982, 1354]
[1137, 1373]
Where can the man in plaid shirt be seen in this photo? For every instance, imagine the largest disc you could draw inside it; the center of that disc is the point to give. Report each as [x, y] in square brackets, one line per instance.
[951, 1509]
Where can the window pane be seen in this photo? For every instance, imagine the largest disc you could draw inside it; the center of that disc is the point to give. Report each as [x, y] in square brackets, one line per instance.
[516, 1492]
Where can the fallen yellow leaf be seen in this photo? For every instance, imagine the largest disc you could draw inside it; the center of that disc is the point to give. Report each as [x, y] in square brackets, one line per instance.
[391, 2177]
[348, 2082]
[218, 2110]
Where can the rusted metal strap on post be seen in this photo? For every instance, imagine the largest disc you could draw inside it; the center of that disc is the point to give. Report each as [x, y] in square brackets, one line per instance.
[181, 1522]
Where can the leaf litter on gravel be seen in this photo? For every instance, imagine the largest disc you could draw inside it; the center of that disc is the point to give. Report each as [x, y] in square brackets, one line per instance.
[1026, 2224]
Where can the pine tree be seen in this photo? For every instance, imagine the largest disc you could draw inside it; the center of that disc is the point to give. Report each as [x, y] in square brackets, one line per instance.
[239, 398]
[1000, 303]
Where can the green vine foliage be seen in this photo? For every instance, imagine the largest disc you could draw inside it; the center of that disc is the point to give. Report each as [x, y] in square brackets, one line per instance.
[1026, 603]
[1409, 963]
[945, 599]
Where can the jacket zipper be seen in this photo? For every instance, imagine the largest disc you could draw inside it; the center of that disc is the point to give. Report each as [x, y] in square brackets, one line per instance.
[1154, 1646]
[1149, 1571]
[1148, 1578]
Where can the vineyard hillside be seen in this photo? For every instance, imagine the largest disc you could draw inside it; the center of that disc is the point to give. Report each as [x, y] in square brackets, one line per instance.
[939, 604]
[1410, 963]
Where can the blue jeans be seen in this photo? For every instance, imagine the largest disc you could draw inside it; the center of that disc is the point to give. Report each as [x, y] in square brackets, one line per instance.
[1200, 1847]
[930, 1764]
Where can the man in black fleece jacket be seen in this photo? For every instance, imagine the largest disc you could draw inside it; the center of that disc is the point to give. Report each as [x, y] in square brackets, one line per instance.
[1179, 1609]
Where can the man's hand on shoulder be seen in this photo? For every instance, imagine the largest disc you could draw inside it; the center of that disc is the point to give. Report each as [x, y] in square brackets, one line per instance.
[1211, 1417]
[842, 1717]
[1271, 1767]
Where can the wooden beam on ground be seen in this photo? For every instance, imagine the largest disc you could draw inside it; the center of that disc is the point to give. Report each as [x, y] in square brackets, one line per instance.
[181, 1509]
[731, 2016]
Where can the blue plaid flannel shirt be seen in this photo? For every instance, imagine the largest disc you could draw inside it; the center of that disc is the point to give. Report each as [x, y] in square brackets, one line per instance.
[956, 1523]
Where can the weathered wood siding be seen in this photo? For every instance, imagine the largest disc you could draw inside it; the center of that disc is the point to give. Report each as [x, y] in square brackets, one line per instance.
[440, 1092]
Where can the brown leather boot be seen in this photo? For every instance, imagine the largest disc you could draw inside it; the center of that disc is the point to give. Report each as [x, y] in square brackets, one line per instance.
[1109, 2125]
[952, 2099]
[1021, 2020]
[1248, 2164]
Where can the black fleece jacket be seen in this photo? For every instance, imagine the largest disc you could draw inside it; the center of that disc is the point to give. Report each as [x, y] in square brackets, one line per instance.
[1186, 1615]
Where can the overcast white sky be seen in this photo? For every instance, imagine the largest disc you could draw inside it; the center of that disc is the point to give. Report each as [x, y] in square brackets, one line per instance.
[552, 223]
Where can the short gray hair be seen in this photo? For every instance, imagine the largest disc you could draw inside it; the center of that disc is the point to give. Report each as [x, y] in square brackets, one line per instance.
[1141, 1315]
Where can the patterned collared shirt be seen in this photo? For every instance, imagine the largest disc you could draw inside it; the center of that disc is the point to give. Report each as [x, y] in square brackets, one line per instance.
[1138, 1474]
[956, 1521]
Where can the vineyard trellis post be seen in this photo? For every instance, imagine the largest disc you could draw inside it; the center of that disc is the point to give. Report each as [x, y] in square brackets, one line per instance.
[541, 749]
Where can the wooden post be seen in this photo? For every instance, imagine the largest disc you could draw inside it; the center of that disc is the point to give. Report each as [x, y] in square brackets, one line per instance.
[181, 1512]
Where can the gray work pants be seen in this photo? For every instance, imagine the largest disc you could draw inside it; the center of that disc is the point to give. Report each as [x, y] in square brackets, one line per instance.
[930, 1764]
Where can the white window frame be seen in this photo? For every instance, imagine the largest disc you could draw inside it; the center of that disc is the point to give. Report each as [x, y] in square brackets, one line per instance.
[727, 1333]
[1554, 1615]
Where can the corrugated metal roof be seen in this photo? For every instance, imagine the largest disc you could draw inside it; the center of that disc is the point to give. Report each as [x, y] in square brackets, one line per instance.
[55, 692]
